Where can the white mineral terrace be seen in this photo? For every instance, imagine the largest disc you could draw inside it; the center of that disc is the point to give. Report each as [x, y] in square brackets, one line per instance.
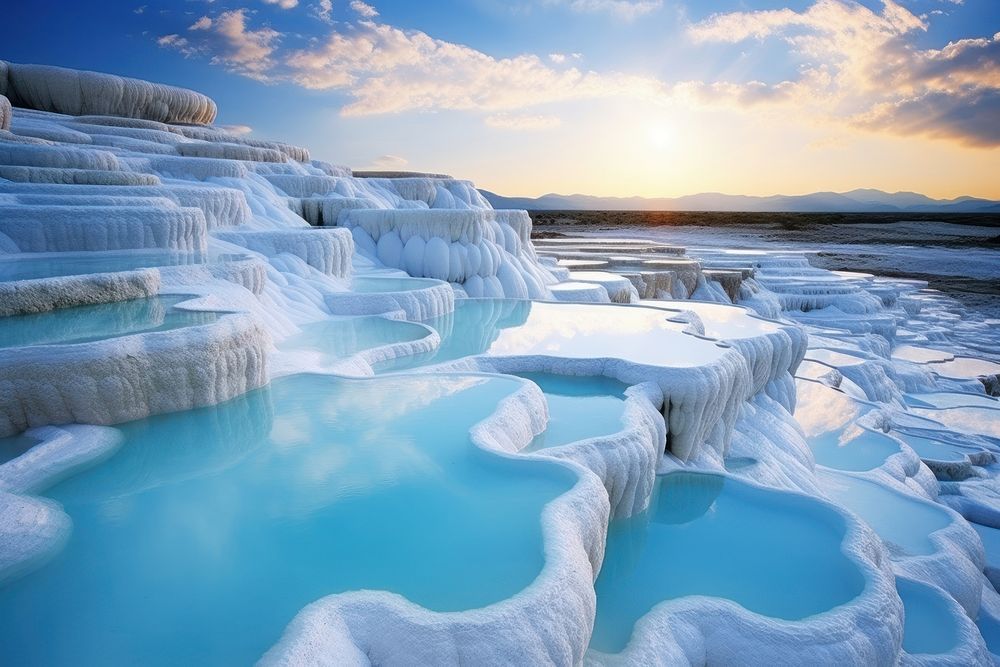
[253, 407]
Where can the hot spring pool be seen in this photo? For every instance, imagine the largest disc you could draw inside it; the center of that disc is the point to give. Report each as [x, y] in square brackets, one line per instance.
[336, 339]
[375, 284]
[929, 626]
[702, 535]
[210, 529]
[579, 408]
[30, 266]
[904, 523]
[829, 419]
[84, 324]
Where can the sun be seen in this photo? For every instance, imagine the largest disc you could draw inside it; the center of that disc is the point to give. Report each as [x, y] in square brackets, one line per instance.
[660, 136]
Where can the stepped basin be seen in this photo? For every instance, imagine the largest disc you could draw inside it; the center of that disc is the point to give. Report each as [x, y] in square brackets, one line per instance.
[378, 284]
[991, 543]
[336, 339]
[944, 399]
[929, 626]
[32, 266]
[584, 331]
[583, 264]
[990, 629]
[921, 355]
[500, 327]
[702, 534]
[210, 529]
[833, 358]
[969, 420]
[930, 449]
[15, 445]
[903, 522]
[84, 324]
[829, 417]
[579, 408]
[720, 320]
[965, 367]
[467, 331]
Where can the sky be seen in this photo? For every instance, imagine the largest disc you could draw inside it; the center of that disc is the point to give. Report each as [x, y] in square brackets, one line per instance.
[603, 97]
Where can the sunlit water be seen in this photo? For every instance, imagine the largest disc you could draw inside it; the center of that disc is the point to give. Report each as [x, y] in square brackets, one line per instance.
[336, 339]
[201, 539]
[775, 554]
[829, 419]
[903, 522]
[579, 408]
[507, 327]
[82, 324]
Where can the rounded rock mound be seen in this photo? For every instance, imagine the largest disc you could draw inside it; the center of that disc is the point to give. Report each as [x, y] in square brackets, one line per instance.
[80, 92]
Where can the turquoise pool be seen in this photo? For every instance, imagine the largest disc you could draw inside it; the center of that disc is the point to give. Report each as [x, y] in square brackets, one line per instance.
[83, 324]
[336, 339]
[374, 284]
[15, 445]
[703, 535]
[579, 408]
[904, 523]
[929, 626]
[829, 418]
[210, 529]
[30, 266]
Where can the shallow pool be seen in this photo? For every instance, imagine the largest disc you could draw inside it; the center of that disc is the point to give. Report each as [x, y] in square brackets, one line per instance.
[703, 535]
[929, 626]
[210, 529]
[991, 543]
[934, 450]
[965, 367]
[82, 324]
[829, 419]
[15, 445]
[970, 420]
[579, 408]
[945, 399]
[336, 339]
[903, 522]
[30, 266]
[373, 284]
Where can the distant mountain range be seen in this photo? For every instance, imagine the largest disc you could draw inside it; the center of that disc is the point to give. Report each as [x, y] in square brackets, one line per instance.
[855, 201]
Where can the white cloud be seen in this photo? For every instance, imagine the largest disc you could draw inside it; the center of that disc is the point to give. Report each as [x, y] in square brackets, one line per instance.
[231, 43]
[389, 163]
[859, 68]
[204, 23]
[363, 9]
[623, 9]
[324, 11]
[284, 4]
[862, 66]
[386, 69]
[508, 121]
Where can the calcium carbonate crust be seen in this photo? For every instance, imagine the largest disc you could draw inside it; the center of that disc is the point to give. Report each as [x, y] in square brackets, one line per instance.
[131, 377]
[699, 630]
[79, 92]
[437, 298]
[19, 297]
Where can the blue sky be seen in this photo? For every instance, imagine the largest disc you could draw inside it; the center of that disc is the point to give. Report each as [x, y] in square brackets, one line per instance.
[614, 97]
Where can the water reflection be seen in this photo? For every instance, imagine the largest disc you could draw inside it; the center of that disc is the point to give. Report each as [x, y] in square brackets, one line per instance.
[211, 528]
[81, 324]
